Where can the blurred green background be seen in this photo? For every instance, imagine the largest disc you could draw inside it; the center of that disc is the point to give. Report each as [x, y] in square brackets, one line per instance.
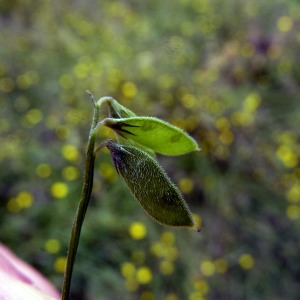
[228, 72]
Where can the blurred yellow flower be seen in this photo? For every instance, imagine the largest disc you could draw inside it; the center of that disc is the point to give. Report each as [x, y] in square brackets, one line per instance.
[52, 246]
[137, 230]
[293, 212]
[59, 190]
[144, 275]
[166, 267]
[285, 23]
[287, 156]
[167, 238]
[60, 264]
[24, 199]
[70, 152]
[129, 89]
[43, 170]
[246, 261]
[201, 286]
[70, 173]
[207, 268]
[34, 116]
[128, 269]
[186, 185]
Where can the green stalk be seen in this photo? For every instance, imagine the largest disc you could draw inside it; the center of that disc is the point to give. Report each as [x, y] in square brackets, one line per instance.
[84, 201]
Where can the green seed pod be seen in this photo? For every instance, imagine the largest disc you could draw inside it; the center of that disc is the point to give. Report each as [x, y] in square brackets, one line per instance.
[156, 134]
[150, 185]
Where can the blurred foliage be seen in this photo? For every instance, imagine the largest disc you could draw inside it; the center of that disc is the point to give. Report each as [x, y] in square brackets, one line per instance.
[227, 72]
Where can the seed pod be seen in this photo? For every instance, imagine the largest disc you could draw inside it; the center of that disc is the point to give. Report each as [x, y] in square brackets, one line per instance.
[150, 185]
[156, 134]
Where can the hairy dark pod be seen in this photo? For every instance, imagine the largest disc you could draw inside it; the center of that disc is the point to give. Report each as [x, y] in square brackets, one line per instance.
[150, 185]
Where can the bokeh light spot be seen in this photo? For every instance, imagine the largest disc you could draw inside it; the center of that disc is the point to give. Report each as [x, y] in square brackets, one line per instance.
[223, 124]
[70, 173]
[157, 249]
[144, 275]
[201, 286]
[128, 269]
[293, 212]
[59, 190]
[188, 101]
[52, 246]
[186, 185]
[246, 261]
[242, 118]
[43, 170]
[221, 265]
[196, 296]
[24, 199]
[285, 23]
[62, 132]
[287, 156]
[168, 238]
[252, 102]
[24, 81]
[172, 253]
[137, 230]
[81, 70]
[286, 137]
[166, 267]
[60, 264]
[207, 268]
[226, 137]
[34, 116]
[293, 194]
[70, 152]
[129, 89]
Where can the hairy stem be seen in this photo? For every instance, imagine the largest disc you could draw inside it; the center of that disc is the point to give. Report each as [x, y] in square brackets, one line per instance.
[84, 201]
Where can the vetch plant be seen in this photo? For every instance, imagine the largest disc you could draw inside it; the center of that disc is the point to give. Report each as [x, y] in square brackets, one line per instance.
[133, 155]
[149, 184]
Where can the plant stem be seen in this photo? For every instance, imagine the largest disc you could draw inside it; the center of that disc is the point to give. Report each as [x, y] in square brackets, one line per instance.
[84, 201]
